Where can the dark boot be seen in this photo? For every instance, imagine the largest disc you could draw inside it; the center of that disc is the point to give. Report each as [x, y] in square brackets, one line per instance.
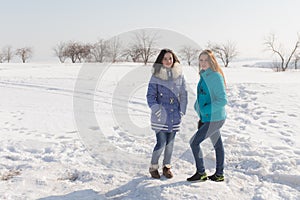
[153, 169]
[216, 177]
[167, 172]
[197, 177]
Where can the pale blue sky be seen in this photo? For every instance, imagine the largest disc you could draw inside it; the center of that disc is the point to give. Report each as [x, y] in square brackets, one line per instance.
[44, 23]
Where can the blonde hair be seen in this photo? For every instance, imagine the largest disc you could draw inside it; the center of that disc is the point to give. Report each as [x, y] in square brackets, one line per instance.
[213, 62]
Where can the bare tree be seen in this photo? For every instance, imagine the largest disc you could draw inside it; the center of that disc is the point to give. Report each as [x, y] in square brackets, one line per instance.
[100, 50]
[1, 57]
[25, 53]
[297, 58]
[60, 51]
[134, 52]
[7, 53]
[226, 52]
[71, 51]
[84, 52]
[145, 41]
[189, 54]
[115, 49]
[77, 51]
[278, 50]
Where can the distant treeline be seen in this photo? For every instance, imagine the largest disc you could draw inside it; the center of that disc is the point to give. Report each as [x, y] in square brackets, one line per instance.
[143, 48]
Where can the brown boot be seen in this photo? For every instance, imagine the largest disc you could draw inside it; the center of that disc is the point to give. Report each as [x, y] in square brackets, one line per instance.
[155, 174]
[153, 169]
[167, 172]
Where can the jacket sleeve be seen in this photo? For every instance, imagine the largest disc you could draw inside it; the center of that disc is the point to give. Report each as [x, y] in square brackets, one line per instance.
[218, 96]
[197, 108]
[196, 104]
[152, 95]
[183, 96]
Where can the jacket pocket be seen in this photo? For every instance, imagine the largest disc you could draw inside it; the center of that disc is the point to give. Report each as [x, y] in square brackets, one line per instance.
[158, 114]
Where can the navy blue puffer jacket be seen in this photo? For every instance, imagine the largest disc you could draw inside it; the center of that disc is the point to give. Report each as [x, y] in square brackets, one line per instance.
[167, 98]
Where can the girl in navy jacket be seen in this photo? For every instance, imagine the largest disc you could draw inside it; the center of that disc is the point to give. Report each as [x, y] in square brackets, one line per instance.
[167, 98]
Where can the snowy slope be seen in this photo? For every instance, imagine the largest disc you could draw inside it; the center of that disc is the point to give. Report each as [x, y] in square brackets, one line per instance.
[82, 132]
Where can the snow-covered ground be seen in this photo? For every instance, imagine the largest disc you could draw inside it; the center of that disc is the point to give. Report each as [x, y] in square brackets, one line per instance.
[82, 132]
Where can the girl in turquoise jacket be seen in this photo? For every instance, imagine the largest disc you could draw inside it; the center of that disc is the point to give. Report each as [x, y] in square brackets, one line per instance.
[211, 96]
[210, 107]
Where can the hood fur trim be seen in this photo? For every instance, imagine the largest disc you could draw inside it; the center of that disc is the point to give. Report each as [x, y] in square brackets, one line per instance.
[163, 75]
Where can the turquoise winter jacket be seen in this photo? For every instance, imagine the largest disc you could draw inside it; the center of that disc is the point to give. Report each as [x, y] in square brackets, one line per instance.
[211, 96]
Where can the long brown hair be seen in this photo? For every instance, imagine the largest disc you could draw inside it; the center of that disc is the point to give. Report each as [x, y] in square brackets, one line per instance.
[158, 62]
[213, 62]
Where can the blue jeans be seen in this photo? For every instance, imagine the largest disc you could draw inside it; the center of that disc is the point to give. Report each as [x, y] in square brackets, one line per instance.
[211, 130]
[164, 140]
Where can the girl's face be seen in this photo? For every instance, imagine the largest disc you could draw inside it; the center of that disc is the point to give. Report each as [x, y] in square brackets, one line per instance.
[204, 62]
[167, 60]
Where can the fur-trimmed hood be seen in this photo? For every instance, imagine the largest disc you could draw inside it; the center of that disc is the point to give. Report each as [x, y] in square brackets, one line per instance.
[163, 73]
